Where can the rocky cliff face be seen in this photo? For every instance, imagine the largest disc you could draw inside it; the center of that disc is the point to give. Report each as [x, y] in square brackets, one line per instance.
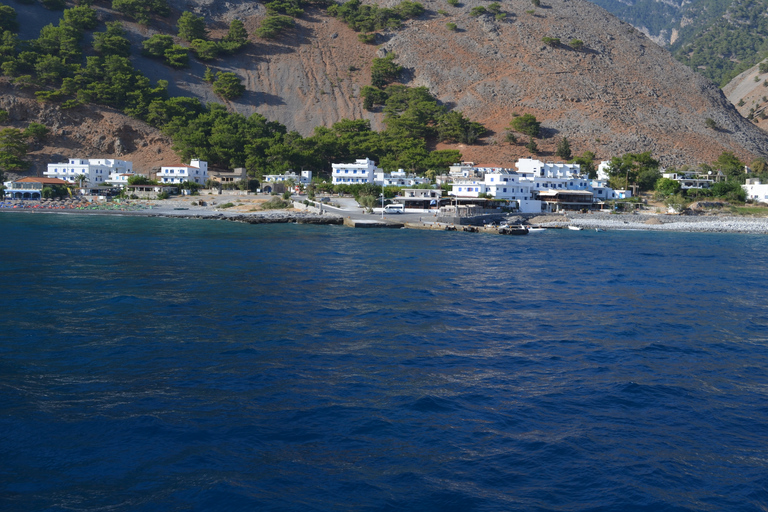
[618, 93]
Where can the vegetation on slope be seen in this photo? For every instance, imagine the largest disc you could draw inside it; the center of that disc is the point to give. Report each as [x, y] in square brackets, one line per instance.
[55, 66]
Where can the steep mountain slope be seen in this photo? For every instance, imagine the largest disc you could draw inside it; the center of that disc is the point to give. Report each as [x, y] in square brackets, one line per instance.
[749, 92]
[619, 93]
[717, 38]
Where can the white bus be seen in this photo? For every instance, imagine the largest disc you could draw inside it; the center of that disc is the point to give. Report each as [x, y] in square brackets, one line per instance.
[394, 208]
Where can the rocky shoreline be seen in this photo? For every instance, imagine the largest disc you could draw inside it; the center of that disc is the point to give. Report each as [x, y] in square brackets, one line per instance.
[645, 222]
[721, 223]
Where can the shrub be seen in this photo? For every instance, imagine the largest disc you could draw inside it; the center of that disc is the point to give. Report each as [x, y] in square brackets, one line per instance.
[275, 204]
[227, 205]
[577, 44]
[442, 12]
[711, 124]
[228, 86]
[191, 27]
[453, 3]
[501, 16]
[36, 131]
[367, 38]
[272, 26]
[526, 124]
[551, 41]
[451, 26]
[477, 11]
[163, 195]
[495, 7]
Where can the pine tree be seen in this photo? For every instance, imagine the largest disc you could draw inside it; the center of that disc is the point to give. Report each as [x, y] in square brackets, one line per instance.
[532, 146]
[208, 76]
[564, 149]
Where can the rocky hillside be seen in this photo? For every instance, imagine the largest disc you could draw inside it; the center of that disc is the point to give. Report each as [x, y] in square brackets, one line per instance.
[749, 92]
[620, 92]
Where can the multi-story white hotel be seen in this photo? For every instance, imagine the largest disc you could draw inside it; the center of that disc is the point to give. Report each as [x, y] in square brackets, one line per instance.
[195, 172]
[94, 170]
[537, 186]
[362, 171]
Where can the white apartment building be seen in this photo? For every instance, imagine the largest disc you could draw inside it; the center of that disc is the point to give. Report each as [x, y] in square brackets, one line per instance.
[689, 180]
[195, 172]
[500, 185]
[95, 170]
[362, 171]
[398, 179]
[755, 190]
[305, 178]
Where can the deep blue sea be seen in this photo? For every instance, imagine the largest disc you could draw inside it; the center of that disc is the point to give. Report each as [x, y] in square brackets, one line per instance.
[168, 364]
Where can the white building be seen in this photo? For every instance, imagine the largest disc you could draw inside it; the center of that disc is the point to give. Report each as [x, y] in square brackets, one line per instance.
[689, 180]
[398, 179]
[195, 172]
[362, 171]
[95, 170]
[501, 185]
[119, 179]
[305, 178]
[755, 190]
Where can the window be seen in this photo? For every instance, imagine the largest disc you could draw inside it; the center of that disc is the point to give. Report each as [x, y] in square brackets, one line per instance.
[505, 190]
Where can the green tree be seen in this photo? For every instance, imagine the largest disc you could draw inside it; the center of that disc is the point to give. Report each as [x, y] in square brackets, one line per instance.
[730, 190]
[526, 124]
[191, 27]
[451, 26]
[551, 41]
[81, 17]
[638, 168]
[731, 166]
[8, 19]
[563, 149]
[384, 70]
[205, 50]
[177, 56]
[141, 10]
[586, 164]
[157, 45]
[454, 127]
[667, 186]
[13, 149]
[209, 76]
[236, 38]
[228, 86]
[112, 41]
[577, 44]
[272, 26]
[532, 146]
[477, 11]
[36, 131]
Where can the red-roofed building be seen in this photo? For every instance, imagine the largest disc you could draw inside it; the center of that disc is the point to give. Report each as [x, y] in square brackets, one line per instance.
[31, 188]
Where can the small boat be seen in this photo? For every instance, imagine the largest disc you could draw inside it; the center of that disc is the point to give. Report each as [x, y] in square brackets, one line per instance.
[599, 230]
[575, 228]
[536, 230]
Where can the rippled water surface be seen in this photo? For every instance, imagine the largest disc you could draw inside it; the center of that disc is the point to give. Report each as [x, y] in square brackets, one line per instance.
[160, 364]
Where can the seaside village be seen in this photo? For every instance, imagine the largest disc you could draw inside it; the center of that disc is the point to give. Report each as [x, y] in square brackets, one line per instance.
[532, 186]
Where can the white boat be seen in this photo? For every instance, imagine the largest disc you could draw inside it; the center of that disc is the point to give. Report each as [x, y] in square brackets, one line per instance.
[599, 230]
[575, 228]
[536, 230]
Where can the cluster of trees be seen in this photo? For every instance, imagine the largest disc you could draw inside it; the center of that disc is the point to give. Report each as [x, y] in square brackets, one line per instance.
[14, 144]
[368, 18]
[192, 29]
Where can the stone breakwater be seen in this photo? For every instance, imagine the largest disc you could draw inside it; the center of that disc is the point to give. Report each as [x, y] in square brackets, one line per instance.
[699, 224]
[267, 217]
